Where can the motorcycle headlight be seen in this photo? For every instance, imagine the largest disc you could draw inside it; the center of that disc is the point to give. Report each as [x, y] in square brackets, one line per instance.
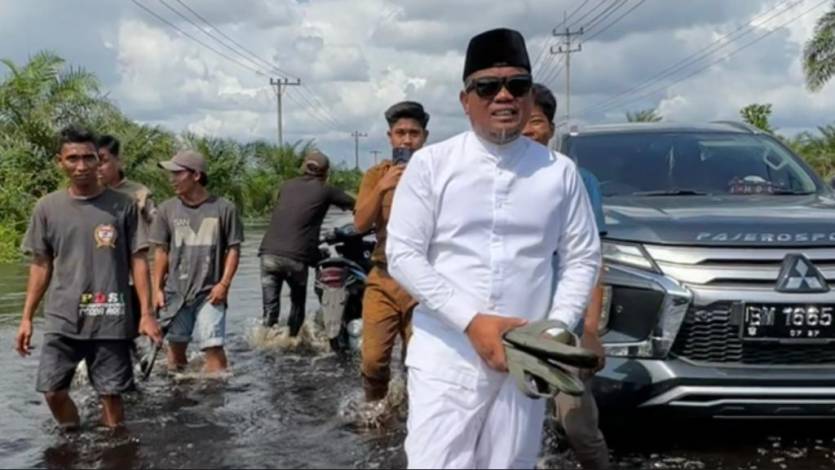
[628, 254]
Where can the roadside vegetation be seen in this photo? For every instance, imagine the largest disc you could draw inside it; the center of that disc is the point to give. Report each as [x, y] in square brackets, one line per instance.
[40, 97]
[45, 94]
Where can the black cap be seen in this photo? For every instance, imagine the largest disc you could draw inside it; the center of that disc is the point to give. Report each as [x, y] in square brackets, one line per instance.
[496, 48]
[407, 109]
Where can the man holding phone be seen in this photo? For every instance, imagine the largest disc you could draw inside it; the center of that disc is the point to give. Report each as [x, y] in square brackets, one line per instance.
[386, 307]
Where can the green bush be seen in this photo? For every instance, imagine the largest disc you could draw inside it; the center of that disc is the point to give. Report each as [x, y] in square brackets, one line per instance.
[40, 97]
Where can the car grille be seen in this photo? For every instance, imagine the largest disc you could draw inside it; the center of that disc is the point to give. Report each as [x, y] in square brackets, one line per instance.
[711, 335]
[735, 267]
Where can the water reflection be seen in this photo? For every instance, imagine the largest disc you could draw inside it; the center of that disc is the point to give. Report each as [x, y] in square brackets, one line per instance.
[291, 403]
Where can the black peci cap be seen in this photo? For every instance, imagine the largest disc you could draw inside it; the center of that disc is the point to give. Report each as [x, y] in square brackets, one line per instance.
[496, 48]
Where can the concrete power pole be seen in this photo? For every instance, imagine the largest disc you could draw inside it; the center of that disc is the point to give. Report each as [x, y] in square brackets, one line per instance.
[375, 153]
[280, 84]
[565, 48]
[356, 135]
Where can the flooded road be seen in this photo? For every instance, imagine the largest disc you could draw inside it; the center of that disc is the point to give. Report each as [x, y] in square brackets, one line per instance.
[292, 407]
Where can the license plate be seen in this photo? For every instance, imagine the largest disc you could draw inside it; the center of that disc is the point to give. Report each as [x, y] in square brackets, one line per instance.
[813, 323]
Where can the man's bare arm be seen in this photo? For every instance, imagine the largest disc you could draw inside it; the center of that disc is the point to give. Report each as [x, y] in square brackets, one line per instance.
[160, 270]
[148, 325]
[220, 292]
[230, 266]
[40, 271]
[591, 324]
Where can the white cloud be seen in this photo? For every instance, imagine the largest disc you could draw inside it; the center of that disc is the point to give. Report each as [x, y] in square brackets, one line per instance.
[360, 57]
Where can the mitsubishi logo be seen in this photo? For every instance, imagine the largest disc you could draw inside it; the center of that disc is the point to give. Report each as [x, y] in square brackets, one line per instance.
[799, 275]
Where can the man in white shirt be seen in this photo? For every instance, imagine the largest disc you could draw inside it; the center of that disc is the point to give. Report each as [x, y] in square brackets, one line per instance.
[474, 224]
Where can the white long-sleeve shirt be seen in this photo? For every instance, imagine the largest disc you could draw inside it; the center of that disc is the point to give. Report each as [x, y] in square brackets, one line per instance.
[473, 229]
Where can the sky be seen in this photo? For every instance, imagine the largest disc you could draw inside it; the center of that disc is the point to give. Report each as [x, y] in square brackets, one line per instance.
[204, 66]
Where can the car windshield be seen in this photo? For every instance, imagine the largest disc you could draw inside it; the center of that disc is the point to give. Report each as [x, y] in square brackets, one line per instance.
[689, 164]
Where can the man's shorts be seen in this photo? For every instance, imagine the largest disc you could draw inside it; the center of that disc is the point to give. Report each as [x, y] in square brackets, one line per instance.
[199, 321]
[109, 364]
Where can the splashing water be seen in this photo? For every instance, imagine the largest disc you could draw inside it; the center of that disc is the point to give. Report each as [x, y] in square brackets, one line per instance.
[358, 412]
[309, 339]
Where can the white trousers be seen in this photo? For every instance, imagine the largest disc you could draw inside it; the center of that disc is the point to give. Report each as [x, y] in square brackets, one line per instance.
[462, 422]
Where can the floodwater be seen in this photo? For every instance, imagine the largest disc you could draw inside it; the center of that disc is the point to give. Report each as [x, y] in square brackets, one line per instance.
[292, 404]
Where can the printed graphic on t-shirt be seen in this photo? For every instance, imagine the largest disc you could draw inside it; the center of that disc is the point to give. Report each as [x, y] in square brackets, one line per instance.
[206, 235]
[100, 304]
[105, 235]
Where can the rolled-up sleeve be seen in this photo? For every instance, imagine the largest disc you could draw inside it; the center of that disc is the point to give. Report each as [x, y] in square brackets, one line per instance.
[410, 228]
[578, 254]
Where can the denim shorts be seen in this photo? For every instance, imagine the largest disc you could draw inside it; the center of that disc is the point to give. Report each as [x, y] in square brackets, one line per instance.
[200, 321]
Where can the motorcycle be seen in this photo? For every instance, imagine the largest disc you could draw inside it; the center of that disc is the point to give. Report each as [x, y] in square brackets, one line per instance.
[340, 282]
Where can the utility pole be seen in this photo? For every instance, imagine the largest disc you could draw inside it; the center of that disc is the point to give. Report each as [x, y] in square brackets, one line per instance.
[565, 48]
[375, 153]
[356, 135]
[279, 85]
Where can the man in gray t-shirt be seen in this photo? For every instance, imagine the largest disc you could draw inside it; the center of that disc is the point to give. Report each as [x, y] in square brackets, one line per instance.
[197, 238]
[85, 242]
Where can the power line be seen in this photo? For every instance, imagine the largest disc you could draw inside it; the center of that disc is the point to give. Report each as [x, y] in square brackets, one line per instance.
[546, 46]
[172, 25]
[318, 106]
[230, 39]
[580, 7]
[601, 31]
[566, 49]
[613, 7]
[320, 110]
[584, 16]
[696, 56]
[312, 110]
[720, 59]
[554, 72]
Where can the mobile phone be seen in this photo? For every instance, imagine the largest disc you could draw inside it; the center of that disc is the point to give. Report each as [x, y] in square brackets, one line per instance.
[401, 155]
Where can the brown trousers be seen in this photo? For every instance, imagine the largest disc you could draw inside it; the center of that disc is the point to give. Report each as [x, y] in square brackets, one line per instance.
[386, 314]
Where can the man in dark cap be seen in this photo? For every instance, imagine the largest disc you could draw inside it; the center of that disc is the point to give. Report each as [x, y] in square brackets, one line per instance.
[474, 225]
[386, 307]
[198, 238]
[291, 242]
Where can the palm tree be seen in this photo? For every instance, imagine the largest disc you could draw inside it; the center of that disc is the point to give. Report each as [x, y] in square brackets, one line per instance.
[42, 96]
[819, 52]
[758, 115]
[644, 115]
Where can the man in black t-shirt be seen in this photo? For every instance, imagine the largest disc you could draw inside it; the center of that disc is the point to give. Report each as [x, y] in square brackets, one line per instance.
[292, 239]
[85, 242]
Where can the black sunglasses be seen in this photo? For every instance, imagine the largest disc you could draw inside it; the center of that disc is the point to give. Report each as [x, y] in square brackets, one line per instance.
[488, 87]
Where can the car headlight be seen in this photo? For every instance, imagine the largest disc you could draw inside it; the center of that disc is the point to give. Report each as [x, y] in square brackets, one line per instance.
[628, 254]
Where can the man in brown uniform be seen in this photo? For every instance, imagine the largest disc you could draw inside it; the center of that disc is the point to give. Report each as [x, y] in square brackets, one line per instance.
[386, 307]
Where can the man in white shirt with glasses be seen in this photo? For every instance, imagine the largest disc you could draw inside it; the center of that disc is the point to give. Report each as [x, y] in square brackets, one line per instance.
[474, 224]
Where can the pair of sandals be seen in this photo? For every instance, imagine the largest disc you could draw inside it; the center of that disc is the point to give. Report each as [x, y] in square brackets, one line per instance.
[537, 356]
